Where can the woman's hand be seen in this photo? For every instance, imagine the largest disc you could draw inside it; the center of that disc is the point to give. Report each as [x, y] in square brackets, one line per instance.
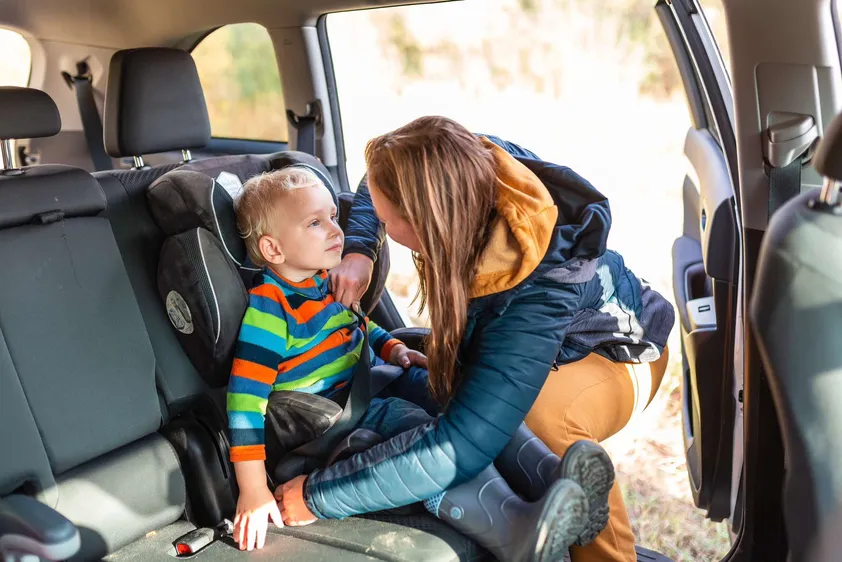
[404, 357]
[350, 279]
[290, 498]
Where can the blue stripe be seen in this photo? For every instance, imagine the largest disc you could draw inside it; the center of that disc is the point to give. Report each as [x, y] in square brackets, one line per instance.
[257, 354]
[245, 437]
[242, 385]
[268, 305]
[245, 420]
[262, 338]
[317, 323]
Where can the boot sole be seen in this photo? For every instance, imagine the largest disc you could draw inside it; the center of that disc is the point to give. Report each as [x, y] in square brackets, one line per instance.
[588, 465]
[562, 520]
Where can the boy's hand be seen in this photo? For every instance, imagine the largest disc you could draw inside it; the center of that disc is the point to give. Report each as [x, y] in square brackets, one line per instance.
[404, 357]
[350, 279]
[254, 508]
[290, 497]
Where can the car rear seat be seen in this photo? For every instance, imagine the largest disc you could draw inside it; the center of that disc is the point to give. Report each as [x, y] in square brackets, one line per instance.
[81, 425]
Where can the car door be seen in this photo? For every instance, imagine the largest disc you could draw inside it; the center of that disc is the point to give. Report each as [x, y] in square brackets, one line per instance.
[706, 263]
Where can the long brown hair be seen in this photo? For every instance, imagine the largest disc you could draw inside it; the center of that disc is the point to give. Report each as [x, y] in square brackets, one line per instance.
[442, 179]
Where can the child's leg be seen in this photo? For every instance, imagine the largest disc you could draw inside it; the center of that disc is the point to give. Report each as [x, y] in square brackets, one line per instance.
[391, 416]
[413, 386]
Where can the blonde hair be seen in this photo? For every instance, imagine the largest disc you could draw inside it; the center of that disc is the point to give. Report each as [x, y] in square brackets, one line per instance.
[257, 205]
[443, 181]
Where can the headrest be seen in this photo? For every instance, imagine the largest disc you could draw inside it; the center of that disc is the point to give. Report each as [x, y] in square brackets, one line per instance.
[154, 103]
[27, 113]
[44, 194]
[182, 200]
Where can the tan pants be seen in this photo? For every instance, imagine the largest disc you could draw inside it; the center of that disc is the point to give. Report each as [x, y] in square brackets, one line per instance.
[593, 399]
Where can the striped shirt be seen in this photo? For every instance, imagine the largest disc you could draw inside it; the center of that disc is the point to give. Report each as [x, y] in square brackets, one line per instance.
[294, 336]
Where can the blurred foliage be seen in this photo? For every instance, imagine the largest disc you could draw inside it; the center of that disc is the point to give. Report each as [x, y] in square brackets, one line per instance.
[242, 85]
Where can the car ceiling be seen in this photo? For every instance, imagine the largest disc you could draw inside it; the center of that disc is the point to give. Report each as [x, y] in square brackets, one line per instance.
[121, 24]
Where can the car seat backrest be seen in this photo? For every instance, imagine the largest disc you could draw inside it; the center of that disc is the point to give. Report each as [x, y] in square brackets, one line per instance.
[203, 271]
[796, 313]
[76, 364]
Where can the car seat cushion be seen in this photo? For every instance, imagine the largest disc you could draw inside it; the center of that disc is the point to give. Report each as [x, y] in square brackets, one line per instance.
[205, 299]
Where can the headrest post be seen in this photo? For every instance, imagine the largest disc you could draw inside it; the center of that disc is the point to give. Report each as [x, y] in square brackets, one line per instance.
[186, 156]
[138, 162]
[7, 156]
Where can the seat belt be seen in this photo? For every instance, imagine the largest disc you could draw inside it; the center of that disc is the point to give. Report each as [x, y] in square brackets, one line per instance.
[306, 125]
[784, 184]
[364, 386]
[82, 83]
[788, 141]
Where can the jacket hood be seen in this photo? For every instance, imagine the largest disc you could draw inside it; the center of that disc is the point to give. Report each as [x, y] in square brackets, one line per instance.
[547, 215]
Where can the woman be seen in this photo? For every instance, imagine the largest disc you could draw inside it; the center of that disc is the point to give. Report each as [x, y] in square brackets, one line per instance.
[532, 319]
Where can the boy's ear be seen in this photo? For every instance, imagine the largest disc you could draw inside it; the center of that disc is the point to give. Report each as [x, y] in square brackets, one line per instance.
[271, 250]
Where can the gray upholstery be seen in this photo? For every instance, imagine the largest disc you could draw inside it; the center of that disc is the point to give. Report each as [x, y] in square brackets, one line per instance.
[27, 113]
[796, 311]
[25, 461]
[120, 497]
[139, 241]
[76, 338]
[44, 189]
[154, 103]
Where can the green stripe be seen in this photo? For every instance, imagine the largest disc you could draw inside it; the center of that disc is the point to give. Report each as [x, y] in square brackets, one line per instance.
[334, 367]
[237, 402]
[278, 326]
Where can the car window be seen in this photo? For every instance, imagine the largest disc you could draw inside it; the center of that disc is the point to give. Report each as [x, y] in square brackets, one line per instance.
[715, 15]
[16, 61]
[242, 84]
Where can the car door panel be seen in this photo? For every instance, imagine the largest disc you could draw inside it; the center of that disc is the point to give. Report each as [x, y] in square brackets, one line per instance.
[705, 275]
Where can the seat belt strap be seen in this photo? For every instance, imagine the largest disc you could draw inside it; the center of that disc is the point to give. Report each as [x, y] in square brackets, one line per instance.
[82, 83]
[306, 125]
[784, 184]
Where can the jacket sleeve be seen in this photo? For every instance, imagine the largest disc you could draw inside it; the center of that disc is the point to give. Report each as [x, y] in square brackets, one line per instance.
[381, 341]
[261, 347]
[509, 359]
[364, 233]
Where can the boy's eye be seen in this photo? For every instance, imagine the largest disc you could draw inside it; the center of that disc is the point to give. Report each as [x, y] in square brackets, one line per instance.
[315, 223]
[334, 218]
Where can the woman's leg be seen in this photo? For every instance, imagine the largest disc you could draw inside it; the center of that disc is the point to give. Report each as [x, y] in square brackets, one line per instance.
[593, 399]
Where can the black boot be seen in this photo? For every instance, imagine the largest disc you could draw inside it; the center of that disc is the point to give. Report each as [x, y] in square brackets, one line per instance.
[530, 467]
[486, 510]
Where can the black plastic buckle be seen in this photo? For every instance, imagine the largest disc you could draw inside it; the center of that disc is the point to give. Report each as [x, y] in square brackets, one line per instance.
[314, 112]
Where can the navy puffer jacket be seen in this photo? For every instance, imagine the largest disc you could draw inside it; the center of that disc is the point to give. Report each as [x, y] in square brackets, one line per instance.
[547, 293]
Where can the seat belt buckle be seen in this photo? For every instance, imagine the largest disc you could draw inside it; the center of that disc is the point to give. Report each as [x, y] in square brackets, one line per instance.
[197, 539]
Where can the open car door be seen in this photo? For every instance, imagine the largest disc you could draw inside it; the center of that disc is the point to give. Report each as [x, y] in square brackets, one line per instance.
[706, 262]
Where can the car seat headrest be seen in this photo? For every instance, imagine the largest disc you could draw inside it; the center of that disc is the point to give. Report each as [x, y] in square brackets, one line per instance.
[44, 194]
[27, 113]
[154, 103]
[183, 200]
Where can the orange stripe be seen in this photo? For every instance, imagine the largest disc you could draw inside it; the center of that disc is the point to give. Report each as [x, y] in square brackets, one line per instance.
[386, 350]
[302, 314]
[254, 371]
[248, 453]
[337, 338]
